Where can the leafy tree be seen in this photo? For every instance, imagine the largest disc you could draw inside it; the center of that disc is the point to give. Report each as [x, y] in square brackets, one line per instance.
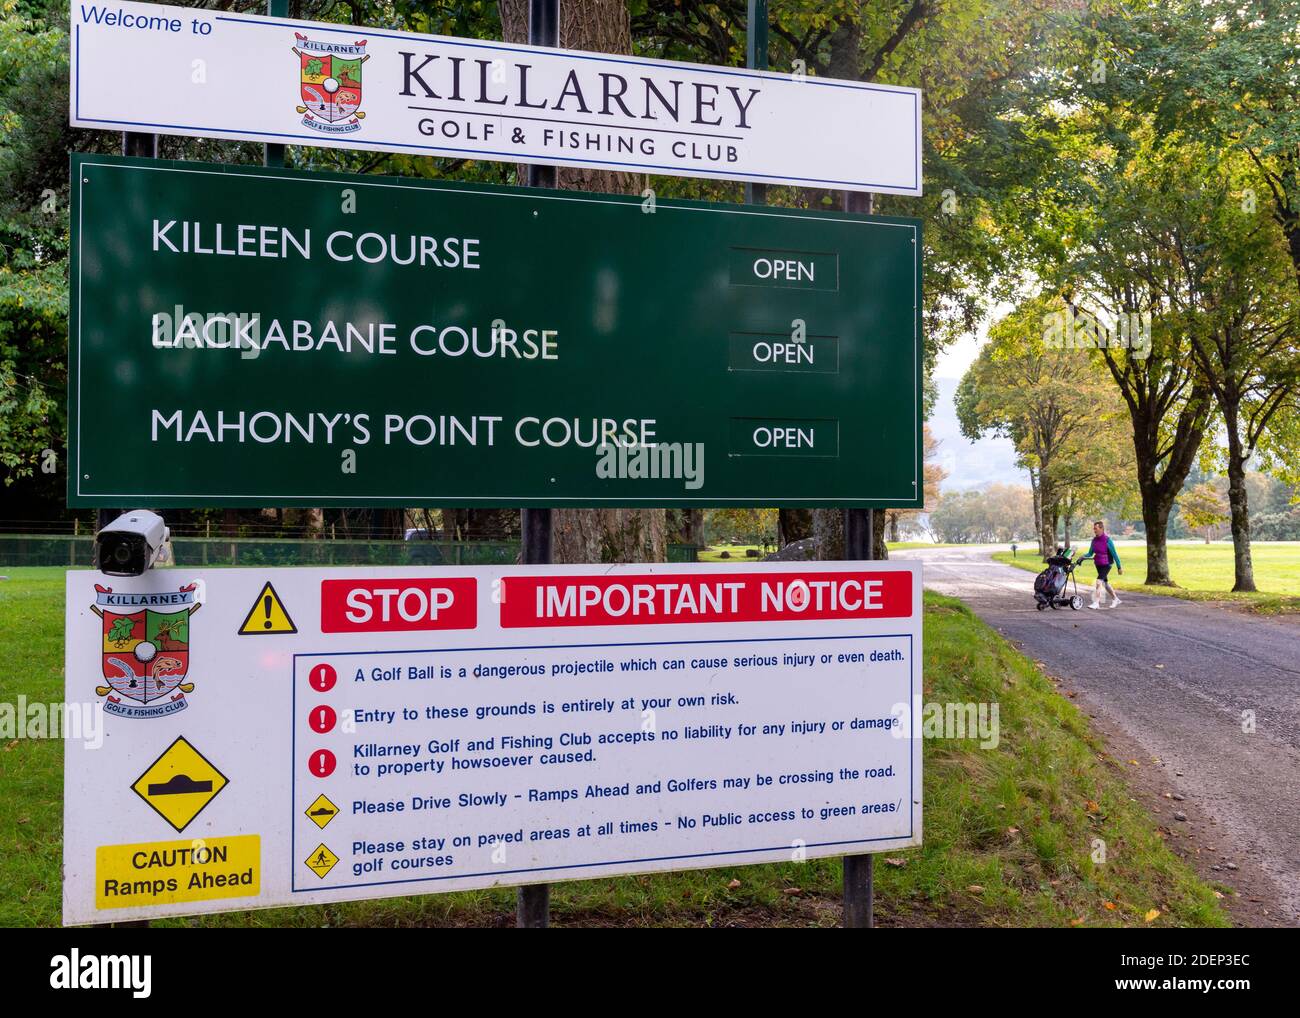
[1054, 404]
[1226, 71]
[1129, 262]
[1243, 331]
[999, 513]
[1203, 508]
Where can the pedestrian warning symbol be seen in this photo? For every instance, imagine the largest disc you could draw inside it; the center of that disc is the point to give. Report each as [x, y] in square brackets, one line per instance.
[267, 616]
[322, 811]
[180, 784]
[321, 860]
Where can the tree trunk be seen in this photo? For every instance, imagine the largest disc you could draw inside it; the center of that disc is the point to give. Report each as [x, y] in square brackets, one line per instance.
[828, 533]
[879, 549]
[1038, 510]
[695, 527]
[793, 525]
[1155, 517]
[595, 535]
[1242, 567]
[1047, 515]
[609, 535]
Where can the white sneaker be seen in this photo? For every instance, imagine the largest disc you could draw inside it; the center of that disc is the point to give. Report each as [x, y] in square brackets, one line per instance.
[1094, 605]
[1116, 602]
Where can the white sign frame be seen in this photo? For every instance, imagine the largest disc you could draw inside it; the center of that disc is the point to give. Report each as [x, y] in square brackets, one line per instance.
[249, 715]
[212, 74]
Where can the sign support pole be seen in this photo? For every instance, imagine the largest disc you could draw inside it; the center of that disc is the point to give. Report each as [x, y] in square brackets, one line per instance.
[533, 901]
[859, 545]
[273, 155]
[756, 59]
[859, 876]
[143, 145]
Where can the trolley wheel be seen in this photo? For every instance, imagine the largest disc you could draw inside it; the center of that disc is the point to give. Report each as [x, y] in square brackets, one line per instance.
[1040, 606]
[1076, 603]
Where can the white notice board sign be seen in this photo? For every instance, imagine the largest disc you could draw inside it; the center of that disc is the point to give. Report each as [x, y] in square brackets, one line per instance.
[217, 74]
[278, 737]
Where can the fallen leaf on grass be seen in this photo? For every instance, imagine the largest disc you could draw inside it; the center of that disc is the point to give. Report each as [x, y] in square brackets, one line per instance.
[975, 889]
[1110, 906]
[1092, 807]
[793, 891]
[733, 885]
[1077, 922]
[1152, 915]
[896, 862]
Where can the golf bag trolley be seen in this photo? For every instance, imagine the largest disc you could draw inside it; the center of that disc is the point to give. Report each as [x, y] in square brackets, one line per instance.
[1050, 584]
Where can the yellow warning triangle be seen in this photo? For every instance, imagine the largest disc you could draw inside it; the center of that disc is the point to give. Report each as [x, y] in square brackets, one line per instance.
[267, 616]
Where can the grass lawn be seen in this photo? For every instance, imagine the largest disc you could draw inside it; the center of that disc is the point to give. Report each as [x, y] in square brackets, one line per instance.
[1009, 831]
[735, 553]
[713, 553]
[1202, 571]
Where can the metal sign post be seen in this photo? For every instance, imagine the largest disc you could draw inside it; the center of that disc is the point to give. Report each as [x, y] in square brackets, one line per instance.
[859, 543]
[533, 901]
[859, 877]
[756, 58]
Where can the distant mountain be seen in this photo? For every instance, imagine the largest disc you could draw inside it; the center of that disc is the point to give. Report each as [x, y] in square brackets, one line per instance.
[970, 464]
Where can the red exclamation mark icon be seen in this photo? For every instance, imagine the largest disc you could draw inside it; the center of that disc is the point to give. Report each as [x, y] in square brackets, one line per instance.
[322, 718]
[321, 763]
[322, 678]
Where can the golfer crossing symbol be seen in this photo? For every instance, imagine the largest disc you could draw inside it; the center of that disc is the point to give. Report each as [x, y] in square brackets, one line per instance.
[321, 860]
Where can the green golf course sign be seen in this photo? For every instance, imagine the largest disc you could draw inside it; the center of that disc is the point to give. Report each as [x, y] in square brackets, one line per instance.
[250, 336]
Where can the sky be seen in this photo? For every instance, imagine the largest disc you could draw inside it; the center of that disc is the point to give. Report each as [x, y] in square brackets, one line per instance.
[969, 464]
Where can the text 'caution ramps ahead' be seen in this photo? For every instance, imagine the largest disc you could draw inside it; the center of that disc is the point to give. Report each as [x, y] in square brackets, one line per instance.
[423, 730]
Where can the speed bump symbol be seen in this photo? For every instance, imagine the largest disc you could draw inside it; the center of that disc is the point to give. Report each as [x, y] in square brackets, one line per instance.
[179, 785]
[322, 811]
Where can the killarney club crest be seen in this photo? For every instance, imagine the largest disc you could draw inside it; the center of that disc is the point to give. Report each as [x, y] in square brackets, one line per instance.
[330, 84]
[145, 650]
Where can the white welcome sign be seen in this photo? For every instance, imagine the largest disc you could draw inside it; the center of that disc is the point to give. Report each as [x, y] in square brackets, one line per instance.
[180, 70]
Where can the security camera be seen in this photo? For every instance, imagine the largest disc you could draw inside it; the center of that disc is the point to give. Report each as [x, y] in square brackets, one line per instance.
[131, 544]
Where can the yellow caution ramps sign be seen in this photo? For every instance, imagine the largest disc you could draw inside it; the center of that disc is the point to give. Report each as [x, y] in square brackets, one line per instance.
[180, 784]
[268, 615]
[167, 872]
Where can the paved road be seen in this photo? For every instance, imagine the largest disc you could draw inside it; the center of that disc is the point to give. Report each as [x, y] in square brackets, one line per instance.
[1216, 663]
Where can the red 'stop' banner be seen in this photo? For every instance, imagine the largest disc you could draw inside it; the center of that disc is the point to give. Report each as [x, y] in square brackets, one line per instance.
[398, 605]
[660, 598]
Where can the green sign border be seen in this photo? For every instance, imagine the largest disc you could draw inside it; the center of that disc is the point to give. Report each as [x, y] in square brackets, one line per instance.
[76, 498]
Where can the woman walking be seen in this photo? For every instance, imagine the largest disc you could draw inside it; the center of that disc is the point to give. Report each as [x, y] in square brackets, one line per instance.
[1103, 554]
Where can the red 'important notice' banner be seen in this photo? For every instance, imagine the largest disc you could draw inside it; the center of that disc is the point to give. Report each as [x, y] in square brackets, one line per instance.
[650, 599]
